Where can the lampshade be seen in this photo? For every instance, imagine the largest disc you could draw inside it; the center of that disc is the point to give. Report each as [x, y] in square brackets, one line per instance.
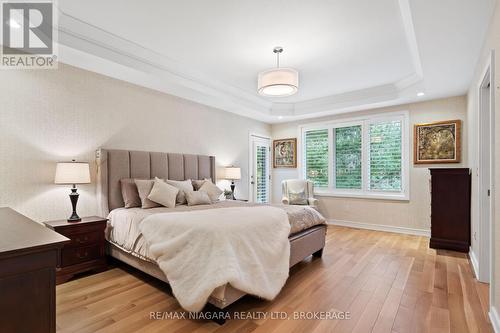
[232, 173]
[72, 173]
[278, 82]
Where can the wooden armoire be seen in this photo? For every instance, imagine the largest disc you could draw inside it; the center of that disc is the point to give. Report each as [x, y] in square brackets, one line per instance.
[450, 209]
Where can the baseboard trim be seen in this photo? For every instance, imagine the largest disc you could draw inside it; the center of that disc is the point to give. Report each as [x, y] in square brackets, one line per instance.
[495, 319]
[381, 227]
[474, 263]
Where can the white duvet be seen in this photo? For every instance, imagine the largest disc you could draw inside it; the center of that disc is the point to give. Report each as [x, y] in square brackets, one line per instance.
[199, 251]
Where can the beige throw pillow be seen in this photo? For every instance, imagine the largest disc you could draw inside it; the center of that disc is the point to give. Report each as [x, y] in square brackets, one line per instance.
[212, 190]
[197, 198]
[130, 194]
[144, 188]
[163, 193]
[183, 186]
[197, 183]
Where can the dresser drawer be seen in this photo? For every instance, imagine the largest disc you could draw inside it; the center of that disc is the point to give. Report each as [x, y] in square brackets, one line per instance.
[76, 255]
[85, 239]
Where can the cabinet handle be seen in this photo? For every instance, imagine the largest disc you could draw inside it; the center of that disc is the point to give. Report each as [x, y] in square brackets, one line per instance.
[80, 256]
[85, 240]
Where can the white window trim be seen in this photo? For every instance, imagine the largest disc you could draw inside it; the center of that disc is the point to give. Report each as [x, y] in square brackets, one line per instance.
[403, 195]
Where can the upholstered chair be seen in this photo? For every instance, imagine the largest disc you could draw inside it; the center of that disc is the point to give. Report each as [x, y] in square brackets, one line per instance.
[298, 192]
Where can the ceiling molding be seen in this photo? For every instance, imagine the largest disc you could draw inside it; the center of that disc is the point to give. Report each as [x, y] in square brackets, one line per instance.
[340, 101]
[92, 48]
[411, 38]
[178, 79]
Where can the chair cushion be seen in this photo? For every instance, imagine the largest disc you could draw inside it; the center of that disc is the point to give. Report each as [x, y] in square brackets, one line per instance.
[297, 198]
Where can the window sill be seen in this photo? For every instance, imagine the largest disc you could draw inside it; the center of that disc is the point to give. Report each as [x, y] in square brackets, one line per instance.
[376, 196]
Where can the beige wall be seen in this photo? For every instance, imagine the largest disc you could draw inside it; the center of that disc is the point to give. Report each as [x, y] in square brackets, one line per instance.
[492, 43]
[415, 213]
[52, 115]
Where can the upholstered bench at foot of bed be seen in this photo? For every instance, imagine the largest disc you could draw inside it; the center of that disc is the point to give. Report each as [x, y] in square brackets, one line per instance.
[302, 244]
[307, 242]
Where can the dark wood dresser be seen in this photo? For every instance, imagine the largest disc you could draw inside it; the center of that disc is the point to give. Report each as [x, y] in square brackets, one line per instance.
[450, 211]
[29, 254]
[86, 250]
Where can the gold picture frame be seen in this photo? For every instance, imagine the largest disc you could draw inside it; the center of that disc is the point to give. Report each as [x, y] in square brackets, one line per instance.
[285, 153]
[437, 142]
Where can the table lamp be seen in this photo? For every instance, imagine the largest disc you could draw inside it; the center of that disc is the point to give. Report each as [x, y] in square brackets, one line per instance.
[232, 173]
[72, 173]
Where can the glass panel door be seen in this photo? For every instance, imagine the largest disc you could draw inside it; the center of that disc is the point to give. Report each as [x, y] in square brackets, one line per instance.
[260, 175]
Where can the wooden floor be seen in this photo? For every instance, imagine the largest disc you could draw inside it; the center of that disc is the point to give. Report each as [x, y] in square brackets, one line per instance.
[387, 282]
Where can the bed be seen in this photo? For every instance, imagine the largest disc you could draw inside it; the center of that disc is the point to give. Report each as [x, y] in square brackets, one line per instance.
[113, 165]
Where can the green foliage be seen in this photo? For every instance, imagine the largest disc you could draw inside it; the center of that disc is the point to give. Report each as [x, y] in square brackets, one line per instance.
[385, 153]
[385, 156]
[316, 156]
[262, 177]
[348, 157]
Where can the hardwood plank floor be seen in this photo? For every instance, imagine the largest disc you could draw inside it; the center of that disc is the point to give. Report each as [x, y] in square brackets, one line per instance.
[386, 282]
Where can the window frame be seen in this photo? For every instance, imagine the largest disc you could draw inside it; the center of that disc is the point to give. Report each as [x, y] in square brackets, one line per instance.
[364, 121]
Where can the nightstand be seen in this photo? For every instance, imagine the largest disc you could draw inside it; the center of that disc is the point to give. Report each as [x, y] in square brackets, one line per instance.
[85, 252]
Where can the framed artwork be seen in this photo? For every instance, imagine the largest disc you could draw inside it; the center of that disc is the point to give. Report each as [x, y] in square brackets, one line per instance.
[437, 142]
[285, 153]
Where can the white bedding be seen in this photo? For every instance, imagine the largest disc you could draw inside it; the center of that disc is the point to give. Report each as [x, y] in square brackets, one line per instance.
[198, 251]
[123, 226]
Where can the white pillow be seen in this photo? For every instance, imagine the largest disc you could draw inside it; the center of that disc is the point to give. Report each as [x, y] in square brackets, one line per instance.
[163, 193]
[212, 190]
[183, 186]
[197, 198]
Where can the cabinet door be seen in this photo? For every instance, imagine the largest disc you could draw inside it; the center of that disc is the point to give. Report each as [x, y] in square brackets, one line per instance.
[450, 210]
[28, 302]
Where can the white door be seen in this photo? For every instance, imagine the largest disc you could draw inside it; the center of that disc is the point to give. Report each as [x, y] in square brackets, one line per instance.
[485, 178]
[260, 153]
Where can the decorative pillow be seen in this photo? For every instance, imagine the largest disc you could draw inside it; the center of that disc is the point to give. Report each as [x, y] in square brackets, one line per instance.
[144, 188]
[183, 186]
[129, 193]
[197, 198]
[212, 190]
[163, 193]
[297, 198]
[197, 183]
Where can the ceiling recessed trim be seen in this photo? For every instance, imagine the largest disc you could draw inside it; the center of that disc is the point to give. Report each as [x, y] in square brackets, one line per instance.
[146, 67]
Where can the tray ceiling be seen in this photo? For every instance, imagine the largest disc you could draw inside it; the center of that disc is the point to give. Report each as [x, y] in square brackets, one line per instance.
[351, 55]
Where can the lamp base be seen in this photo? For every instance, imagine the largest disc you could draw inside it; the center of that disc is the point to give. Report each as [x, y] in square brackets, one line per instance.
[74, 199]
[232, 189]
[74, 218]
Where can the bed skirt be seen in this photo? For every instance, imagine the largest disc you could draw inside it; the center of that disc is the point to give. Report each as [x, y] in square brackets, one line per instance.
[302, 244]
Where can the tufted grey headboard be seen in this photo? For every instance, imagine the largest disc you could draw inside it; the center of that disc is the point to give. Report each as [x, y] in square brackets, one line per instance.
[113, 165]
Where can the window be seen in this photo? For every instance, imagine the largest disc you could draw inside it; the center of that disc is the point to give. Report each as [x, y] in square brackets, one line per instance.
[348, 157]
[262, 159]
[316, 152]
[385, 156]
[362, 157]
